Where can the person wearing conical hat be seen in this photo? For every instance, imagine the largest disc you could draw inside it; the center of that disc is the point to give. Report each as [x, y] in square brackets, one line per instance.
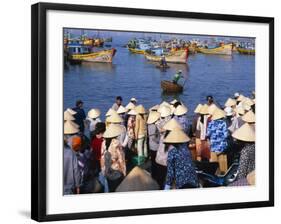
[180, 168]
[217, 132]
[113, 166]
[134, 101]
[131, 124]
[230, 103]
[141, 133]
[130, 106]
[92, 119]
[122, 111]
[80, 115]
[153, 140]
[180, 115]
[237, 121]
[246, 136]
[249, 117]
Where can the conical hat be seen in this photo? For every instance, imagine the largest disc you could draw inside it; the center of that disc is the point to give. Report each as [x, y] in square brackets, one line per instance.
[228, 111]
[240, 98]
[164, 111]
[218, 114]
[109, 112]
[153, 117]
[180, 110]
[173, 101]
[204, 109]
[249, 117]
[154, 108]
[212, 108]
[74, 124]
[230, 102]
[114, 118]
[94, 113]
[245, 133]
[176, 136]
[140, 109]
[132, 112]
[239, 110]
[248, 101]
[251, 178]
[133, 99]
[172, 124]
[67, 116]
[122, 110]
[164, 103]
[198, 108]
[69, 128]
[137, 180]
[72, 112]
[113, 130]
[130, 106]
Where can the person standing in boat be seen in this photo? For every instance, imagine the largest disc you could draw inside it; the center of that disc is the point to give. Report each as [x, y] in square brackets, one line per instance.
[177, 77]
[80, 115]
[118, 103]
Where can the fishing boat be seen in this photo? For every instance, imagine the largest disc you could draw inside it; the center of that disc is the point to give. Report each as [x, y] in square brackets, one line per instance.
[178, 57]
[170, 87]
[246, 51]
[136, 51]
[80, 53]
[224, 49]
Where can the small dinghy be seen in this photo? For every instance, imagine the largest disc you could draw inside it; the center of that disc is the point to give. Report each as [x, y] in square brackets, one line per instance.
[170, 87]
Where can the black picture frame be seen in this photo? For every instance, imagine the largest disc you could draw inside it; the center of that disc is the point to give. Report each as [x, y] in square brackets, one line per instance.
[39, 122]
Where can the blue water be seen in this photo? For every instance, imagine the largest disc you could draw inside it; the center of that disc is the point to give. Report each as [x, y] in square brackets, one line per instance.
[131, 75]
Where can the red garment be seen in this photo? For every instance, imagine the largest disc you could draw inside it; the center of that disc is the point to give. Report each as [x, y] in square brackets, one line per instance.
[96, 147]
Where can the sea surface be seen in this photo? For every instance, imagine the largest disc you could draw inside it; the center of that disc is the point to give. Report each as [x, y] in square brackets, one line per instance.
[131, 75]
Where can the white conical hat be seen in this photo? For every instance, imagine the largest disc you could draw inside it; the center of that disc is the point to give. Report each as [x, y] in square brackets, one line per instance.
[164, 103]
[109, 112]
[173, 101]
[240, 98]
[218, 114]
[239, 110]
[204, 109]
[154, 108]
[114, 118]
[122, 110]
[74, 124]
[112, 131]
[140, 109]
[94, 113]
[130, 106]
[132, 112]
[212, 108]
[249, 117]
[72, 112]
[165, 111]
[172, 124]
[245, 133]
[176, 136]
[153, 117]
[228, 111]
[180, 110]
[69, 128]
[197, 109]
[67, 116]
[133, 99]
[230, 102]
[248, 101]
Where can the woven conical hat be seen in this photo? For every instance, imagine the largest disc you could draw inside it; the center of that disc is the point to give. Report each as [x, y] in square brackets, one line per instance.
[251, 178]
[72, 112]
[230, 102]
[130, 106]
[154, 108]
[122, 110]
[74, 124]
[176, 136]
[114, 118]
[112, 131]
[240, 98]
[109, 112]
[132, 112]
[172, 124]
[164, 103]
[204, 109]
[239, 110]
[249, 117]
[67, 116]
[94, 113]
[137, 180]
[164, 111]
[248, 101]
[180, 110]
[173, 102]
[198, 108]
[69, 128]
[133, 99]
[218, 114]
[153, 117]
[140, 109]
[212, 108]
[245, 133]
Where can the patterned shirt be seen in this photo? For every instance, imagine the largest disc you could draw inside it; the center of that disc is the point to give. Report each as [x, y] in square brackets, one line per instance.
[218, 133]
[180, 167]
[247, 161]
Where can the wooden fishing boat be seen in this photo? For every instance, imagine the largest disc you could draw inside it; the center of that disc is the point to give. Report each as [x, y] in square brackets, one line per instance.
[225, 49]
[246, 51]
[136, 51]
[170, 87]
[178, 57]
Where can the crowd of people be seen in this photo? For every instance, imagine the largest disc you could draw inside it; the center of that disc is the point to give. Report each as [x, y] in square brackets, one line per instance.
[99, 155]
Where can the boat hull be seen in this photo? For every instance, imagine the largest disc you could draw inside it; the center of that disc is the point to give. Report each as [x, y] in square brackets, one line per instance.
[246, 51]
[136, 51]
[170, 87]
[177, 57]
[104, 56]
[223, 50]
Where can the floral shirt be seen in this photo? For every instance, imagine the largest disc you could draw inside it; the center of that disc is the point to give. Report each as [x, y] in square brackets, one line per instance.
[217, 132]
[180, 167]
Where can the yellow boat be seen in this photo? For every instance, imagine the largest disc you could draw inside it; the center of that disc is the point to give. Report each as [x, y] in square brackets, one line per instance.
[178, 57]
[136, 51]
[225, 49]
[104, 56]
[246, 51]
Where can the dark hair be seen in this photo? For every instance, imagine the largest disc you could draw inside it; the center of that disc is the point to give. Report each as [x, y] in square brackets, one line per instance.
[78, 102]
[209, 97]
[119, 98]
[100, 128]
